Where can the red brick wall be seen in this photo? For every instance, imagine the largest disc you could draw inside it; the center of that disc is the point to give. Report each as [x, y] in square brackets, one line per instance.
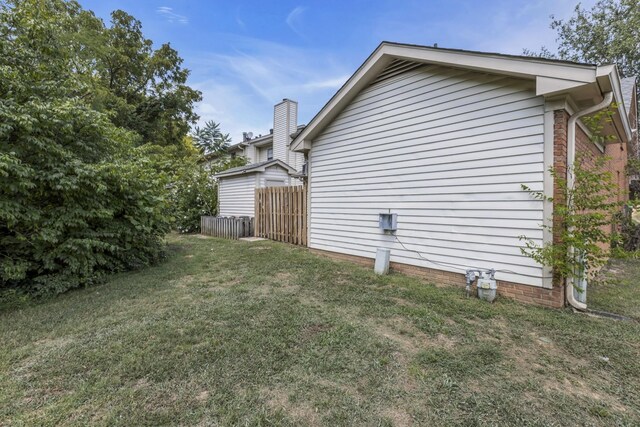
[615, 151]
[616, 165]
[553, 298]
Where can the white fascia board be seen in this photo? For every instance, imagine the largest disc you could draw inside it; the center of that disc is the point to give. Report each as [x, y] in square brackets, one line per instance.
[376, 62]
[492, 63]
[262, 168]
[548, 86]
[530, 68]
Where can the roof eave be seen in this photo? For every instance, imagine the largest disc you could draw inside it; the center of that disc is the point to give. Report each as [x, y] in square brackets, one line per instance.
[520, 67]
[260, 168]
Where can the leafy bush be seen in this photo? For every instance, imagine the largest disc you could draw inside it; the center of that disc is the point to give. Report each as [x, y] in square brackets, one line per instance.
[194, 194]
[77, 199]
[628, 235]
[583, 213]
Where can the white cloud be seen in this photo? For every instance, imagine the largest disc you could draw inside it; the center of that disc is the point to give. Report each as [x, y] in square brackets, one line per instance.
[171, 16]
[331, 83]
[527, 28]
[241, 87]
[293, 19]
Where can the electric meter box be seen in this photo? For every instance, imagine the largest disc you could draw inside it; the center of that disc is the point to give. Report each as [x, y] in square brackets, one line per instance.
[388, 221]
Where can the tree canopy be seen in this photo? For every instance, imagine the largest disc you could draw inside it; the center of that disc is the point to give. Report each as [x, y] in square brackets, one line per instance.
[608, 33]
[81, 106]
[210, 139]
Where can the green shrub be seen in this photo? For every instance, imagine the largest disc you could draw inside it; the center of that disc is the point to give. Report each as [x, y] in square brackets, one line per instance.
[77, 199]
[194, 194]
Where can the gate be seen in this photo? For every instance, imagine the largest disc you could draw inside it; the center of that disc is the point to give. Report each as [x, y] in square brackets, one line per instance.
[281, 214]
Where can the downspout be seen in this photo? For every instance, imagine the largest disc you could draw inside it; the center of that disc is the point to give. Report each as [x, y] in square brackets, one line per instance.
[571, 156]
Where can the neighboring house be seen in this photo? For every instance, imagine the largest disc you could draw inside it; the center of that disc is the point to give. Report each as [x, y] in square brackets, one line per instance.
[629, 93]
[445, 139]
[271, 163]
[236, 186]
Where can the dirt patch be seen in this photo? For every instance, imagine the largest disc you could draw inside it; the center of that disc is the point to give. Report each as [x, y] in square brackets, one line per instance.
[184, 281]
[397, 416]
[283, 276]
[140, 384]
[202, 396]
[529, 360]
[581, 390]
[312, 330]
[404, 303]
[50, 344]
[301, 412]
[409, 338]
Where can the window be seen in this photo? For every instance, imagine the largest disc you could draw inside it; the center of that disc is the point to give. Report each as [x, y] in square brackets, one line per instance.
[269, 153]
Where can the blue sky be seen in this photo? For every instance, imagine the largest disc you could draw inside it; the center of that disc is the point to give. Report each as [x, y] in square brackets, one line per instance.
[247, 55]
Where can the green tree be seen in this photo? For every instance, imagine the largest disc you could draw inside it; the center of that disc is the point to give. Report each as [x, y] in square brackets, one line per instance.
[145, 89]
[608, 33]
[583, 215]
[77, 198]
[210, 139]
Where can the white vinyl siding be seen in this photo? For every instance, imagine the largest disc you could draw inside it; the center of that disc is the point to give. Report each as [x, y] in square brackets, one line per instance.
[236, 195]
[262, 154]
[281, 126]
[273, 175]
[447, 150]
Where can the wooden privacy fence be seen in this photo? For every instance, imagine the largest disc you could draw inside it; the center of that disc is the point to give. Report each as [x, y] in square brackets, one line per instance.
[281, 214]
[228, 228]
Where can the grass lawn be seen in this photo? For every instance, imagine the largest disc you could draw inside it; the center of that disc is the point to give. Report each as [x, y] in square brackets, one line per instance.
[235, 333]
[619, 291]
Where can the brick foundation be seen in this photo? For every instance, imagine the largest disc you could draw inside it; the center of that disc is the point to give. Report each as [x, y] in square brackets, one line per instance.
[554, 297]
[524, 293]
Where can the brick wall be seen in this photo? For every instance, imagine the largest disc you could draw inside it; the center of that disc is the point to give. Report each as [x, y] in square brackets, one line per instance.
[616, 165]
[524, 293]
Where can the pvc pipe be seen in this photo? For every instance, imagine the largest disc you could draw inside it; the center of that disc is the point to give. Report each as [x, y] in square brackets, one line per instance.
[571, 157]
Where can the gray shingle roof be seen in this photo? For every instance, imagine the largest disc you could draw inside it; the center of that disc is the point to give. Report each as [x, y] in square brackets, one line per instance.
[246, 167]
[255, 167]
[627, 84]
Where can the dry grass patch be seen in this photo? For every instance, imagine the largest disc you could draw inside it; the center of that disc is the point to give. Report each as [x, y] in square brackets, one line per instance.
[270, 334]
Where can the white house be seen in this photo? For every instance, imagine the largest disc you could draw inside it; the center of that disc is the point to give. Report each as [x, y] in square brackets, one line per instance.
[236, 186]
[271, 163]
[444, 139]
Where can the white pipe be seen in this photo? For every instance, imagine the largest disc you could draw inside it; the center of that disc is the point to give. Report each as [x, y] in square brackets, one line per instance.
[571, 156]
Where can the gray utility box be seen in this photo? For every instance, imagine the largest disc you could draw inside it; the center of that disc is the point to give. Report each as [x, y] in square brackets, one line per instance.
[388, 221]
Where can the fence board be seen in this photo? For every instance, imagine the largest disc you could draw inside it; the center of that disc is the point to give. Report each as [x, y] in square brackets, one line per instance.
[228, 228]
[281, 214]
